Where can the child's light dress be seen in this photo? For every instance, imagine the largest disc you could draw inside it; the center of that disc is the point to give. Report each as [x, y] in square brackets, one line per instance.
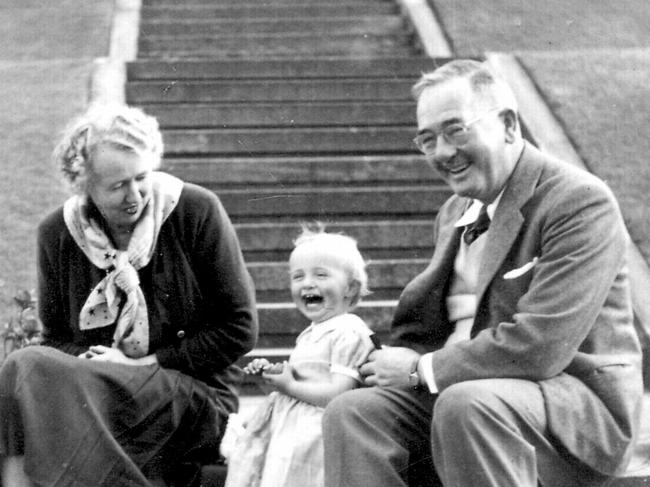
[294, 457]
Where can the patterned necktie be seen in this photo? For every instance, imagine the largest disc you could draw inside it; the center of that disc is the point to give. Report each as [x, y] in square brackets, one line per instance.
[474, 230]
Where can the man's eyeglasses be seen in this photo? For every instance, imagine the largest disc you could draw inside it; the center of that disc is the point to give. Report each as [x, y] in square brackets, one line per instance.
[456, 134]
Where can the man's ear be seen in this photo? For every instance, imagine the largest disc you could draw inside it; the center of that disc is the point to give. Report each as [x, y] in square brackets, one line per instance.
[511, 124]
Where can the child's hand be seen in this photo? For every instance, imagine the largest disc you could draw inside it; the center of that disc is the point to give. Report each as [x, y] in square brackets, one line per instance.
[275, 368]
[256, 366]
[279, 380]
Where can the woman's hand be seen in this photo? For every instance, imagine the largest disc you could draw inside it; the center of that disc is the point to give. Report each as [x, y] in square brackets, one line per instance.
[101, 353]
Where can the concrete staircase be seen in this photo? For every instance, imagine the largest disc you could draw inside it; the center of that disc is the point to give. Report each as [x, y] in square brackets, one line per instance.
[294, 111]
[286, 130]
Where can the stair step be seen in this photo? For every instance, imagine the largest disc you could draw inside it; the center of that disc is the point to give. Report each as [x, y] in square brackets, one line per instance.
[334, 203]
[364, 68]
[284, 319]
[217, 172]
[366, 24]
[376, 240]
[386, 278]
[253, 3]
[288, 114]
[175, 91]
[265, 11]
[289, 52]
[196, 45]
[332, 140]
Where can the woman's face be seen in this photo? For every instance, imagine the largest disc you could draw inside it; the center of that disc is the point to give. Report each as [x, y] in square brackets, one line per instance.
[120, 185]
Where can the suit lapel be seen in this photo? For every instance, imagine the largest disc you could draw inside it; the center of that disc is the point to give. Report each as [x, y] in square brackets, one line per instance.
[448, 238]
[508, 218]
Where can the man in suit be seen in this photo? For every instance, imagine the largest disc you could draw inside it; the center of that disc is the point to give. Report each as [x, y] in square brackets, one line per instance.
[514, 359]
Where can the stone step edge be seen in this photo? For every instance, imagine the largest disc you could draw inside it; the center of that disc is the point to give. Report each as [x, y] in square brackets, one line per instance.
[223, 69]
[385, 303]
[266, 36]
[294, 170]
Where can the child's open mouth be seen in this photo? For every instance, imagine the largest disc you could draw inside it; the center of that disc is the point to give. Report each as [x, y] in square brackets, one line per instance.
[310, 299]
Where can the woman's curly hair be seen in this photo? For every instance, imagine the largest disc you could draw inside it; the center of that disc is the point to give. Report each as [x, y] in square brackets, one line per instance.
[120, 126]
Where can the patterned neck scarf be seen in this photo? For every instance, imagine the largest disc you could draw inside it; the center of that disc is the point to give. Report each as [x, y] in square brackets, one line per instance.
[118, 298]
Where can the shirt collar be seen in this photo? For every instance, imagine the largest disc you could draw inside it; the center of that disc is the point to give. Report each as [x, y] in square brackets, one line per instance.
[471, 213]
[318, 330]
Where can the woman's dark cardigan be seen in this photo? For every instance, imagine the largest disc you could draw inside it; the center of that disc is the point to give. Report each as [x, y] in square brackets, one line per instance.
[200, 297]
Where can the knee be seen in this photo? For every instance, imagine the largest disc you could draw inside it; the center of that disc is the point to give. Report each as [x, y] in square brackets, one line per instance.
[25, 361]
[347, 407]
[27, 357]
[339, 408]
[13, 364]
[463, 403]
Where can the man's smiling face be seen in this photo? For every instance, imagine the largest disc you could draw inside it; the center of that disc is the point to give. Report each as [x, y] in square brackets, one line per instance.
[479, 168]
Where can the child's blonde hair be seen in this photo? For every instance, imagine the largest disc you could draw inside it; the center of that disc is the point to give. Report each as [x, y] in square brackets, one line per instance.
[345, 248]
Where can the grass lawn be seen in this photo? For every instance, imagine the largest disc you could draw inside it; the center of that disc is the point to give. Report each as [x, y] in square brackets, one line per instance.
[591, 61]
[602, 101]
[476, 26]
[45, 63]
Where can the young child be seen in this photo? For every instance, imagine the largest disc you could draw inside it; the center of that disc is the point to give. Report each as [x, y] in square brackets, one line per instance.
[282, 444]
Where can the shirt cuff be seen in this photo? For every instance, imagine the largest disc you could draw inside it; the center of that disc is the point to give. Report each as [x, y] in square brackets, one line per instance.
[350, 372]
[425, 367]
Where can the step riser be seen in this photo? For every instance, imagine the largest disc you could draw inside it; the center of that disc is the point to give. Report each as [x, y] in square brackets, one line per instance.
[254, 3]
[409, 68]
[264, 12]
[288, 43]
[288, 321]
[365, 169]
[365, 25]
[383, 235]
[269, 91]
[297, 205]
[280, 296]
[282, 255]
[381, 275]
[283, 114]
[417, 245]
[325, 52]
[296, 141]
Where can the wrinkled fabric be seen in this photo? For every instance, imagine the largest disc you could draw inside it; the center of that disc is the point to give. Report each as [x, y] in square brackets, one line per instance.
[91, 423]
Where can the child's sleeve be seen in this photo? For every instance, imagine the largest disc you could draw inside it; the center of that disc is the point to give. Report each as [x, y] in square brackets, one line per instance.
[350, 349]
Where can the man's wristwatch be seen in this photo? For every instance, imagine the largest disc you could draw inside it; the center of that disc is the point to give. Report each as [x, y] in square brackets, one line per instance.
[414, 377]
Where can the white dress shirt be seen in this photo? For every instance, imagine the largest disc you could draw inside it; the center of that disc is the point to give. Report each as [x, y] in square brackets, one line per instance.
[461, 301]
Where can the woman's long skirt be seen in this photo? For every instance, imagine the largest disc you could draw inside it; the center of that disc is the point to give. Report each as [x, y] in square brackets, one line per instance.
[84, 423]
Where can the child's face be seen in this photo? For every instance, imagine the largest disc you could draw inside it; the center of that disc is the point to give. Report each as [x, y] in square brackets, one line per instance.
[320, 286]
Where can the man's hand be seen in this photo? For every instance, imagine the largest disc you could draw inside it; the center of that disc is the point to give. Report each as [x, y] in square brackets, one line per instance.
[389, 366]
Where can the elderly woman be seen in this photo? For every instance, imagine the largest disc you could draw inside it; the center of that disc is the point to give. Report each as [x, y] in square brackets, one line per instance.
[145, 302]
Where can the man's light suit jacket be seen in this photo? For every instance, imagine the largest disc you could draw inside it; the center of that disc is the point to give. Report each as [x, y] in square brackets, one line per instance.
[553, 307]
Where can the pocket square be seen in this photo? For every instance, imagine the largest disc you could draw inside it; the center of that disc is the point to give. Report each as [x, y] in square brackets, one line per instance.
[520, 271]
